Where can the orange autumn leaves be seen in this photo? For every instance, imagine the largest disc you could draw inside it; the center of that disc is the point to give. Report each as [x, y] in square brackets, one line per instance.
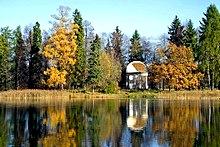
[176, 67]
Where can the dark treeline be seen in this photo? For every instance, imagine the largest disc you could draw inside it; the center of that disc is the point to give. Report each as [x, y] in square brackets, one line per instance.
[71, 56]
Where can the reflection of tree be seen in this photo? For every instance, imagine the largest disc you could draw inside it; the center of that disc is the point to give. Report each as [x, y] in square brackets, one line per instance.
[177, 123]
[104, 122]
[17, 133]
[3, 131]
[60, 133]
[33, 126]
[63, 137]
[75, 120]
[209, 134]
[136, 138]
[111, 123]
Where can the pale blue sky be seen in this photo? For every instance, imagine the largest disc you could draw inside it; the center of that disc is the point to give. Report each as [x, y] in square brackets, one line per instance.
[150, 17]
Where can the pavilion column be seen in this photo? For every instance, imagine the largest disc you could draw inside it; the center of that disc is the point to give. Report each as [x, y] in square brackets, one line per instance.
[146, 84]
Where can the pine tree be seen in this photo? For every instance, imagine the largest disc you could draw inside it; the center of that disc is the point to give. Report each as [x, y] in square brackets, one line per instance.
[35, 65]
[80, 66]
[21, 68]
[209, 53]
[136, 52]
[176, 32]
[190, 38]
[94, 73]
[6, 52]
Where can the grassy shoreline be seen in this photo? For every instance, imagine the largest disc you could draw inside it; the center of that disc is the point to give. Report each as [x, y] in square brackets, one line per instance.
[194, 94]
[46, 96]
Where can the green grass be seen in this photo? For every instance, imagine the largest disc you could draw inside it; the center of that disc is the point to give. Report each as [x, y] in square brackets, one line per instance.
[141, 94]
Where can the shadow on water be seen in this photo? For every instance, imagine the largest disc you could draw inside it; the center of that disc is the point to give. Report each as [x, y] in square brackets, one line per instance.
[127, 122]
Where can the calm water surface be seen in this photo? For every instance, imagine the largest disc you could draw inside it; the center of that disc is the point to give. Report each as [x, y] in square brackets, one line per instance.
[112, 123]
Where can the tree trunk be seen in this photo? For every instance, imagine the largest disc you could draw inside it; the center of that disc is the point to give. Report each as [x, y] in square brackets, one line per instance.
[5, 82]
[209, 77]
[16, 76]
[92, 89]
[212, 80]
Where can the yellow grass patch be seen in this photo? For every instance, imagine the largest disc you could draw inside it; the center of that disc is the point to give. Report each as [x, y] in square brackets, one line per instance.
[194, 94]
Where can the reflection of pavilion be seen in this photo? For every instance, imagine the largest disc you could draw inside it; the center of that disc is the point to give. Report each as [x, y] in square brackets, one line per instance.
[138, 114]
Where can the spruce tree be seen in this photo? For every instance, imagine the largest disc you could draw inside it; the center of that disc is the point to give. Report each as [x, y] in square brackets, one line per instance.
[94, 73]
[78, 77]
[6, 52]
[209, 53]
[117, 42]
[176, 32]
[21, 69]
[35, 65]
[136, 52]
[190, 38]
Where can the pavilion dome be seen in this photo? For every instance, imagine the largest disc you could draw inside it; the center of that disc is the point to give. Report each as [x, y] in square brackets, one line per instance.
[136, 67]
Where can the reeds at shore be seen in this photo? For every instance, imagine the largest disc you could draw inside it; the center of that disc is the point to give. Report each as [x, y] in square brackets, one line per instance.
[49, 96]
[56, 96]
[193, 94]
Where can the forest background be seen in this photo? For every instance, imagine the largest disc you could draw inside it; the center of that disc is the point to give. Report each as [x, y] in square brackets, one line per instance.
[71, 56]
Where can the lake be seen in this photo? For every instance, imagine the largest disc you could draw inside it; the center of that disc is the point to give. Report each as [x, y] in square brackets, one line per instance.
[112, 123]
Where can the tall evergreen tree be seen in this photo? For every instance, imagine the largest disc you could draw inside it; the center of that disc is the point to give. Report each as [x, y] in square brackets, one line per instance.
[28, 39]
[5, 59]
[94, 73]
[136, 52]
[176, 32]
[35, 65]
[21, 68]
[4, 52]
[209, 53]
[190, 38]
[80, 65]
[117, 42]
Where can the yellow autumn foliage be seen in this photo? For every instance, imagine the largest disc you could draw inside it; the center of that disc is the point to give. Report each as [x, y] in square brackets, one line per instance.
[180, 126]
[111, 69]
[59, 133]
[60, 50]
[56, 77]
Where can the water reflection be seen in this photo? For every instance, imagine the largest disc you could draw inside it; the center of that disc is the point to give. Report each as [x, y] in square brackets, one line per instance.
[113, 123]
[138, 114]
